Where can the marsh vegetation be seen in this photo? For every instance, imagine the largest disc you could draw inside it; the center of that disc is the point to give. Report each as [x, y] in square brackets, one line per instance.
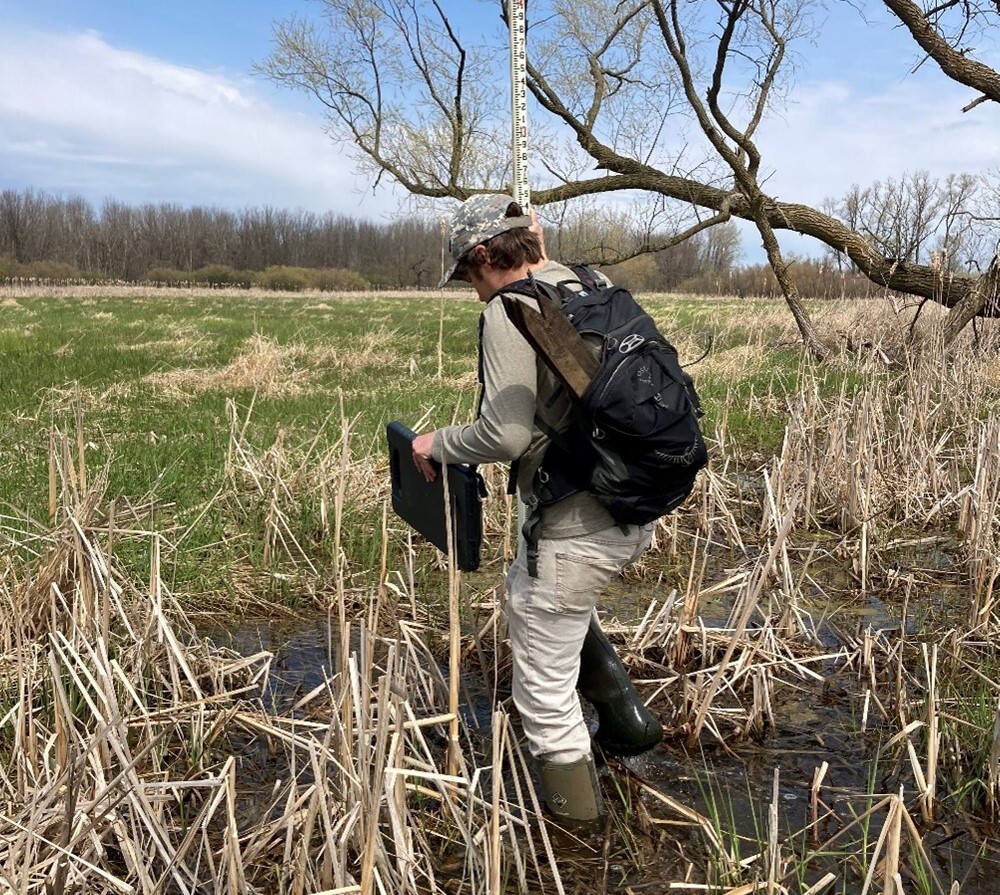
[226, 667]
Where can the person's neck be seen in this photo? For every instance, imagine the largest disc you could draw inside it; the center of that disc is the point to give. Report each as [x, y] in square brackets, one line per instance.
[506, 277]
[497, 280]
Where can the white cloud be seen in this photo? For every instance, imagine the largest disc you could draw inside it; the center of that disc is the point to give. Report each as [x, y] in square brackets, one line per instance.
[77, 114]
[831, 136]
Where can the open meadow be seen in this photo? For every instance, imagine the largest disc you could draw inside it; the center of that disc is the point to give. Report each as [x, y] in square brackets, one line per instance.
[226, 667]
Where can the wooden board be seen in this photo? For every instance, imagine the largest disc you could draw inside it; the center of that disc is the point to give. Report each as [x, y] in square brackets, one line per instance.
[550, 333]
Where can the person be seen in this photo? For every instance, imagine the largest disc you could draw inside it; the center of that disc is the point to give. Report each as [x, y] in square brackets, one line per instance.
[550, 614]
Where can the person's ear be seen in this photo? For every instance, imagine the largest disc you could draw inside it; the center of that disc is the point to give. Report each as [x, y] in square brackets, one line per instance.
[481, 255]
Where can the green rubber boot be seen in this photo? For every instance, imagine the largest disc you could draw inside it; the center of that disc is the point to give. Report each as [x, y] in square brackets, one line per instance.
[571, 790]
[626, 727]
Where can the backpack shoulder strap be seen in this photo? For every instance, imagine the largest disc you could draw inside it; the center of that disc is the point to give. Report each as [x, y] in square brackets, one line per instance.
[533, 288]
[536, 289]
[587, 276]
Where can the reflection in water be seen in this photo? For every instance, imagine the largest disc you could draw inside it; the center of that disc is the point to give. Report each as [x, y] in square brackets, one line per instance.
[304, 650]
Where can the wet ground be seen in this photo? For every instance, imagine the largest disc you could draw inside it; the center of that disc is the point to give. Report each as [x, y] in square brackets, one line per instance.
[734, 787]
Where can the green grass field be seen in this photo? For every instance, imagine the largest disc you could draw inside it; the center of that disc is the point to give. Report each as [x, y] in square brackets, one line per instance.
[148, 378]
[153, 375]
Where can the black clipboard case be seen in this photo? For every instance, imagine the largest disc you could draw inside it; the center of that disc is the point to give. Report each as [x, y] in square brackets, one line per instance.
[421, 503]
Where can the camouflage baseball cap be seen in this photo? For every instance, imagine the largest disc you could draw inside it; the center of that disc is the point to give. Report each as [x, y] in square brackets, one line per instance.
[479, 219]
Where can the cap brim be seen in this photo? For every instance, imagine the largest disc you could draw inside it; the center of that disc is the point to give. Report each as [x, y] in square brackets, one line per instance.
[448, 275]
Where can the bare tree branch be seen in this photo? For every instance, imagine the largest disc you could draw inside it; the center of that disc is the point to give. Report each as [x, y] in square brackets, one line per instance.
[956, 63]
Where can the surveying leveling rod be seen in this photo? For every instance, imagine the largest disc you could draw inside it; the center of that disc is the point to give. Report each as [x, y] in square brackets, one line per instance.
[519, 147]
[518, 103]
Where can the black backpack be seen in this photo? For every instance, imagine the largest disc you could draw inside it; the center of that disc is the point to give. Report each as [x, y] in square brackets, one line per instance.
[635, 442]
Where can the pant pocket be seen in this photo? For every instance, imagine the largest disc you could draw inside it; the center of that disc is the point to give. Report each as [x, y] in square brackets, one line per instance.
[580, 580]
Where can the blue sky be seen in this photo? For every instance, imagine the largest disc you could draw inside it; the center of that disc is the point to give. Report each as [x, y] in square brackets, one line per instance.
[145, 101]
[157, 102]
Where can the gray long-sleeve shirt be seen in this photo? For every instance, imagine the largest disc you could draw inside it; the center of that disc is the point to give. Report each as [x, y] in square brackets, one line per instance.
[517, 387]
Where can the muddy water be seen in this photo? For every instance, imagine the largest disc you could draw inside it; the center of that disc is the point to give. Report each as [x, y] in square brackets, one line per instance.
[734, 787]
[303, 650]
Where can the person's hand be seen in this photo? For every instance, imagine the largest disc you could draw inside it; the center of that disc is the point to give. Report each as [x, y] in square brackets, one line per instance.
[536, 228]
[422, 445]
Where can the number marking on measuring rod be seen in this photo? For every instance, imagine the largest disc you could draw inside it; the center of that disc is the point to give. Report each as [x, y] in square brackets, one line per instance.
[519, 102]
[519, 148]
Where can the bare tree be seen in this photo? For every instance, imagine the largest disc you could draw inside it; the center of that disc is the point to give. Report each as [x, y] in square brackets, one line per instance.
[118, 239]
[900, 218]
[723, 246]
[643, 98]
[26, 224]
[960, 244]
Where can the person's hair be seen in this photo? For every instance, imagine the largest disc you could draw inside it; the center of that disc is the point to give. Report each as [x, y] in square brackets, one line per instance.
[507, 250]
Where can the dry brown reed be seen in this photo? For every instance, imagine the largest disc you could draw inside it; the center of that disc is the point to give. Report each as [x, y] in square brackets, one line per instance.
[129, 767]
[899, 461]
[263, 367]
[130, 736]
[128, 741]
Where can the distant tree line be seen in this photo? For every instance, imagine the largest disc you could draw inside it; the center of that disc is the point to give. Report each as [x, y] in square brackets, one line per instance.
[125, 242]
[54, 238]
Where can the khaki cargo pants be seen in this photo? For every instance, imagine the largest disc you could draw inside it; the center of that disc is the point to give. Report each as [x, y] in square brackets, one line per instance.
[547, 620]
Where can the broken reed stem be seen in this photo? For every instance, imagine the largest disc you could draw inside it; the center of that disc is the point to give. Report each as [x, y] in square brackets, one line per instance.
[890, 871]
[689, 609]
[773, 849]
[80, 443]
[440, 346]
[338, 520]
[454, 630]
[499, 736]
[888, 837]
[819, 886]
[53, 487]
[817, 782]
[933, 737]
